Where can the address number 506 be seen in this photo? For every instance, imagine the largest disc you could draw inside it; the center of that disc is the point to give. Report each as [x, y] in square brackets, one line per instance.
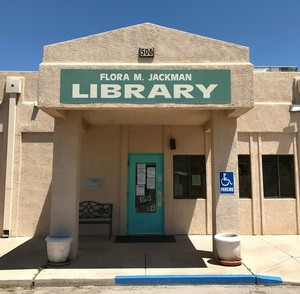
[146, 52]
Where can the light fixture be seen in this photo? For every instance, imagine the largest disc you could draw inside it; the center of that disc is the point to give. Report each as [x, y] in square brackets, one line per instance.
[172, 144]
[295, 108]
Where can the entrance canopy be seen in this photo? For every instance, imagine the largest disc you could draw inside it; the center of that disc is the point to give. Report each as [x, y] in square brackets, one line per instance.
[131, 74]
[146, 116]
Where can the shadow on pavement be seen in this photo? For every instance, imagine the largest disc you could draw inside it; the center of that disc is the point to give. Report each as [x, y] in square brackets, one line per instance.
[98, 252]
[30, 255]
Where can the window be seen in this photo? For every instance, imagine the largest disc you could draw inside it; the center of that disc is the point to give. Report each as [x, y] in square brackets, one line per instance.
[189, 176]
[278, 176]
[244, 176]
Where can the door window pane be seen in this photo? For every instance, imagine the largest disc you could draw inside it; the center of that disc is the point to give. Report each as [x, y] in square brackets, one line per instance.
[189, 176]
[244, 176]
[145, 193]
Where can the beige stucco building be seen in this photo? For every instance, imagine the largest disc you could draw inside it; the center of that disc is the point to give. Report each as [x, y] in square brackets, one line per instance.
[188, 139]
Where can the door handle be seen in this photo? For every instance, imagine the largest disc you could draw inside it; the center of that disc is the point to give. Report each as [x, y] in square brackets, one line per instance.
[159, 198]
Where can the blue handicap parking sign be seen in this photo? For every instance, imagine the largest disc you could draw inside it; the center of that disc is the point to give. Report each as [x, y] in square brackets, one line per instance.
[226, 183]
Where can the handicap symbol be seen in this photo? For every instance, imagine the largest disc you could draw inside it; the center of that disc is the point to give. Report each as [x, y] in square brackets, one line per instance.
[225, 181]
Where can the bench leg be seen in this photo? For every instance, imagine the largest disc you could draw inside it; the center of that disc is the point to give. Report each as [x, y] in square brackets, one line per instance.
[110, 231]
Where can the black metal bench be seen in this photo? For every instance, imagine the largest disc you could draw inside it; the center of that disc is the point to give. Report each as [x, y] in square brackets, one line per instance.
[91, 212]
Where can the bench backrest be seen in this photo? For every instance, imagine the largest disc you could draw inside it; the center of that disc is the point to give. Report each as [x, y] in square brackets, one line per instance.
[92, 209]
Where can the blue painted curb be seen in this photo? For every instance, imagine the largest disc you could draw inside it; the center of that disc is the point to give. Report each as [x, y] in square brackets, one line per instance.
[197, 280]
[268, 280]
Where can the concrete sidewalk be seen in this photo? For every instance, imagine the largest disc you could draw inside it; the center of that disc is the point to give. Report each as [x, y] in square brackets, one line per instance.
[23, 261]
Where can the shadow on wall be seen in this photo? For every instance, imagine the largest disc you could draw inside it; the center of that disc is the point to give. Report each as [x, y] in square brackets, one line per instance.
[43, 223]
[98, 252]
[35, 186]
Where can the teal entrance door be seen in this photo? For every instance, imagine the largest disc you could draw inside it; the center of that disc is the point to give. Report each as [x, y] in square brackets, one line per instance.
[145, 193]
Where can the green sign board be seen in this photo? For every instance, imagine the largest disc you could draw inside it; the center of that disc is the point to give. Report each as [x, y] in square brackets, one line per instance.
[145, 86]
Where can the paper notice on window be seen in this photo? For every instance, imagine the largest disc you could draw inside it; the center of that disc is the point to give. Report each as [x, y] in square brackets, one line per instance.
[150, 183]
[141, 179]
[140, 190]
[141, 168]
[196, 180]
[151, 172]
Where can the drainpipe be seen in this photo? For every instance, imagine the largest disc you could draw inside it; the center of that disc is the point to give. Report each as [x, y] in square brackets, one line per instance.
[13, 88]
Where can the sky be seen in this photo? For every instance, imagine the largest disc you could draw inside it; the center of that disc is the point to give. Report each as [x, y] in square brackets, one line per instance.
[271, 28]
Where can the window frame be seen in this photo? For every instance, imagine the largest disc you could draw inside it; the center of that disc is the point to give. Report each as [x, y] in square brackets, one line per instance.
[278, 176]
[250, 175]
[202, 168]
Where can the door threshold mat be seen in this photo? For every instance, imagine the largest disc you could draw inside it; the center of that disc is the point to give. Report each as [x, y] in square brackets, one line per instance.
[145, 239]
